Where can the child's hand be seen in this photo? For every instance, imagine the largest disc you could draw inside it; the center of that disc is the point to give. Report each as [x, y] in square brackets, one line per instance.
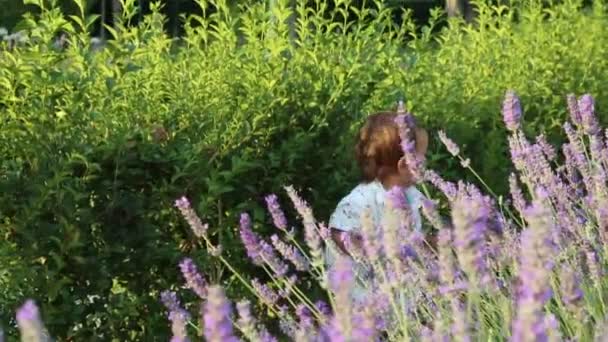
[346, 240]
[357, 240]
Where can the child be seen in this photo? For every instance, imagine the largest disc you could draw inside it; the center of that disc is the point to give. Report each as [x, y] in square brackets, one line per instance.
[383, 166]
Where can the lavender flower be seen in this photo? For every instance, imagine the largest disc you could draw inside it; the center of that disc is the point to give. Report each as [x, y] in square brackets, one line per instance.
[304, 317]
[265, 336]
[447, 188]
[246, 321]
[177, 315]
[258, 250]
[408, 144]
[537, 252]
[341, 276]
[593, 263]
[218, 326]
[396, 198]
[447, 269]
[178, 325]
[371, 237]
[250, 240]
[290, 253]
[460, 328]
[247, 324]
[169, 300]
[311, 232]
[575, 114]
[199, 229]
[470, 217]
[268, 295]
[341, 283]
[194, 280]
[391, 244]
[30, 324]
[571, 293]
[587, 109]
[511, 111]
[274, 208]
[518, 197]
[360, 328]
[547, 149]
[323, 308]
[597, 148]
[324, 232]
[449, 144]
[429, 209]
[275, 263]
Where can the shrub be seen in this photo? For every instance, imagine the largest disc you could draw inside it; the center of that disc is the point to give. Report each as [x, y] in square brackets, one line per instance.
[98, 143]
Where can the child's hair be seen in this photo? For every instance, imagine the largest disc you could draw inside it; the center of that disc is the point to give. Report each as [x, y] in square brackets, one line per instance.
[378, 149]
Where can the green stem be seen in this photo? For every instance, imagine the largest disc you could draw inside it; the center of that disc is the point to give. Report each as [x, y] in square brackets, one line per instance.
[240, 278]
[303, 299]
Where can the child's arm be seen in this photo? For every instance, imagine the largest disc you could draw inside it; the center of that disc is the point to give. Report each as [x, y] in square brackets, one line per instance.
[338, 235]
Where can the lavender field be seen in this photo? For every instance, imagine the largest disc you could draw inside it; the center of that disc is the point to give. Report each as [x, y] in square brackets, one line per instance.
[180, 188]
[529, 267]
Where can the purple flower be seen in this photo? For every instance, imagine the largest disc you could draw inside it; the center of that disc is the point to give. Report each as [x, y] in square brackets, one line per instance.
[460, 328]
[449, 144]
[178, 325]
[194, 280]
[218, 326]
[198, 228]
[304, 317]
[30, 324]
[268, 295]
[511, 111]
[447, 268]
[341, 276]
[275, 263]
[311, 231]
[246, 320]
[447, 188]
[250, 240]
[575, 114]
[324, 232]
[359, 327]
[247, 324]
[593, 263]
[518, 197]
[177, 315]
[571, 293]
[396, 198]
[537, 255]
[258, 250]
[470, 216]
[265, 336]
[598, 149]
[586, 106]
[274, 208]
[290, 253]
[414, 162]
[371, 237]
[547, 149]
[323, 308]
[169, 300]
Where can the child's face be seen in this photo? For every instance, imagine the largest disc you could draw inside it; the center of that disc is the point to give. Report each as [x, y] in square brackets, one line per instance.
[422, 142]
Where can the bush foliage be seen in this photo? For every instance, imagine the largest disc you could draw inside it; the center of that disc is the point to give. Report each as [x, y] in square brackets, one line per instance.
[97, 143]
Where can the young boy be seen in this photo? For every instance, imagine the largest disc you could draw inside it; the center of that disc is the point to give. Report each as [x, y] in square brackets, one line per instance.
[383, 166]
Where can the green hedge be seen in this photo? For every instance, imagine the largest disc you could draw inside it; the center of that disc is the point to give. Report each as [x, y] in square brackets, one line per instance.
[97, 145]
